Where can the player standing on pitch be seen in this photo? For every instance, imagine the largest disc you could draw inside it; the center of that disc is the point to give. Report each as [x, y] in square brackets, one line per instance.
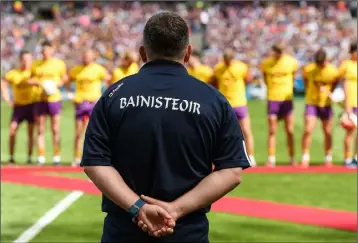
[49, 70]
[88, 78]
[279, 73]
[22, 104]
[231, 77]
[348, 74]
[320, 79]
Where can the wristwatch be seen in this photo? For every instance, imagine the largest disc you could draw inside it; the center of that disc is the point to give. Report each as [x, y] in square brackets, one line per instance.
[134, 209]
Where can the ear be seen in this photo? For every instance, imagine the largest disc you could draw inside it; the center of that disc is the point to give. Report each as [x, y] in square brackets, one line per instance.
[188, 53]
[143, 54]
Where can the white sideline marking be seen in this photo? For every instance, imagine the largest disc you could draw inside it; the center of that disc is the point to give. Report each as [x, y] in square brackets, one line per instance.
[48, 217]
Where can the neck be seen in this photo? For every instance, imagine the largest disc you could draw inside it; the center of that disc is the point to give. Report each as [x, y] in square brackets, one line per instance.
[24, 67]
[86, 63]
[166, 59]
[353, 58]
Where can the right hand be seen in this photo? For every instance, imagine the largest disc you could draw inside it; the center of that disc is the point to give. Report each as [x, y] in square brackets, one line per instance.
[154, 219]
[170, 223]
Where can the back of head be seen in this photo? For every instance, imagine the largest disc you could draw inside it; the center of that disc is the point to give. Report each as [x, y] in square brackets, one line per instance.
[353, 51]
[320, 57]
[353, 48]
[166, 35]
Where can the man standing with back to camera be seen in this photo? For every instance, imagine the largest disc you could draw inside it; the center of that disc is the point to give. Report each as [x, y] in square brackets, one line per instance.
[157, 133]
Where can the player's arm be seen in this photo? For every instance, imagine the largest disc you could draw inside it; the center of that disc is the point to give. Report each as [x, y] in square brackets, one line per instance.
[105, 76]
[229, 160]
[5, 91]
[342, 72]
[264, 75]
[64, 76]
[70, 78]
[295, 70]
[110, 78]
[248, 77]
[305, 77]
[346, 104]
[214, 77]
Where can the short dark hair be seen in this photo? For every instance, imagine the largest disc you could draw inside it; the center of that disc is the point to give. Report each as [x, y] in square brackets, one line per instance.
[23, 53]
[353, 48]
[320, 56]
[166, 34]
[278, 49]
[46, 43]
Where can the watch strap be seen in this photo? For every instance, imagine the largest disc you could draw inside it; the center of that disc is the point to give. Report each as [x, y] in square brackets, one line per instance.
[134, 209]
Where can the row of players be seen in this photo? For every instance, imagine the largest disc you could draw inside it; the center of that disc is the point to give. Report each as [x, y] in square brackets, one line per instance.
[32, 104]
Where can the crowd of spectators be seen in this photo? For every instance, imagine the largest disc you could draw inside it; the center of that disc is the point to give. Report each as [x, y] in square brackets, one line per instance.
[114, 27]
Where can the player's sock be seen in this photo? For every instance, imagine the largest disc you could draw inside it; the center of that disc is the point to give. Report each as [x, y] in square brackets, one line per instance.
[41, 156]
[305, 159]
[271, 160]
[11, 159]
[328, 159]
[78, 155]
[292, 161]
[29, 161]
[347, 158]
[77, 162]
[252, 160]
[57, 157]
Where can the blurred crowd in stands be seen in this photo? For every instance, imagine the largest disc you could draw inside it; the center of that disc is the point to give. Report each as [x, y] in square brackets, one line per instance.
[113, 27]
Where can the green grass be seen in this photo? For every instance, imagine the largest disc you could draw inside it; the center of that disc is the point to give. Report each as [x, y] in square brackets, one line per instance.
[334, 191]
[229, 228]
[82, 222]
[22, 206]
[257, 111]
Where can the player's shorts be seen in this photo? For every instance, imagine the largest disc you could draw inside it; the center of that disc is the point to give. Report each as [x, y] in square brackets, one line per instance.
[280, 109]
[241, 112]
[48, 108]
[355, 110]
[323, 113]
[23, 113]
[84, 109]
[122, 229]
